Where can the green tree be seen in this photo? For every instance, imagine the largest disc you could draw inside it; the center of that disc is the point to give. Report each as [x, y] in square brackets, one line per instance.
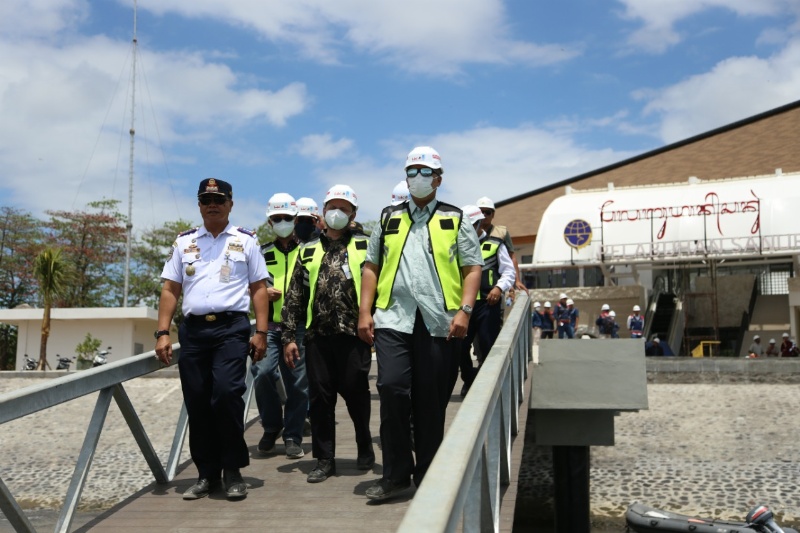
[93, 244]
[148, 255]
[52, 273]
[86, 349]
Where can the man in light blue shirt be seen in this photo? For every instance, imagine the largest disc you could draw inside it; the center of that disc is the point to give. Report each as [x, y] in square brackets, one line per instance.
[422, 274]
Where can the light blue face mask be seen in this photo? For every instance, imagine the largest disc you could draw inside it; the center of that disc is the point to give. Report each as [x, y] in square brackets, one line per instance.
[420, 186]
[283, 228]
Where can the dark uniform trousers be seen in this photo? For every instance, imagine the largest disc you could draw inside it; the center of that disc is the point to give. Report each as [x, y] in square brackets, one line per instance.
[416, 374]
[338, 364]
[485, 323]
[212, 365]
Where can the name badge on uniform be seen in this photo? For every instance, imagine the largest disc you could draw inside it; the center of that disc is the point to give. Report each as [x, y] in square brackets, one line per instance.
[346, 270]
[225, 271]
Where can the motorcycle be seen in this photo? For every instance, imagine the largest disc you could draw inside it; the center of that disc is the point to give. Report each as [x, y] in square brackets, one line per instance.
[101, 358]
[644, 519]
[63, 362]
[30, 364]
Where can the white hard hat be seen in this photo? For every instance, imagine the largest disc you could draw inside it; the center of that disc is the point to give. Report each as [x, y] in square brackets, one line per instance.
[756, 337]
[612, 313]
[400, 193]
[570, 302]
[656, 340]
[547, 304]
[772, 341]
[562, 296]
[637, 308]
[605, 307]
[344, 192]
[536, 304]
[281, 204]
[425, 156]
[785, 335]
[472, 212]
[307, 207]
[485, 203]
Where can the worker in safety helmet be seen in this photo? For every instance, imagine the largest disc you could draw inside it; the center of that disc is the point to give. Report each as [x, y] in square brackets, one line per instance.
[400, 193]
[324, 292]
[603, 323]
[636, 323]
[501, 232]
[422, 275]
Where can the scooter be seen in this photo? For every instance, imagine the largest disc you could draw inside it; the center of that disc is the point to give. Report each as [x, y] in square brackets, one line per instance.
[63, 362]
[30, 364]
[100, 358]
[644, 519]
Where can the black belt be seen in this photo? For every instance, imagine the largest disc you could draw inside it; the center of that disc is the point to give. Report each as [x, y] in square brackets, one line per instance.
[215, 317]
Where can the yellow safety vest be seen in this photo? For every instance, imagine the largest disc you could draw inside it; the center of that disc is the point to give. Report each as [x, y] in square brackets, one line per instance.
[311, 258]
[491, 265]
[280, 266]
[443, 228]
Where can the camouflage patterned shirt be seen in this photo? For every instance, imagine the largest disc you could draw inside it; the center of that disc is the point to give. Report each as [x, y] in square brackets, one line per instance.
[335, 306]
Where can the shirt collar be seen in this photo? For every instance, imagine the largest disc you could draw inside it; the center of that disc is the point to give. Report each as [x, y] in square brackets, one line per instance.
[230, 229]
[427, 207]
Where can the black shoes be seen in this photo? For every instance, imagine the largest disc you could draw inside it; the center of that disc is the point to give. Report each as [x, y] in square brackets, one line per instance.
[267, 442]
[201, 489]
[384, 489]
[325, 468]
[235, 487]
[366, 458]
[293, 450]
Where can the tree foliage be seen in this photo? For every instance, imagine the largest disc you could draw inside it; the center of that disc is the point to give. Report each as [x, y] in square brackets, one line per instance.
[53, 275]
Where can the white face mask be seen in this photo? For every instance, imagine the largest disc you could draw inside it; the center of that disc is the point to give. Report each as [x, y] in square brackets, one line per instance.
[283, 229]
[336, 219]
[420, 186]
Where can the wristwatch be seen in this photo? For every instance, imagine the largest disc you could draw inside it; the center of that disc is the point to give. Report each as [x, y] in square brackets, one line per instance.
[466, 308]
[160, 332]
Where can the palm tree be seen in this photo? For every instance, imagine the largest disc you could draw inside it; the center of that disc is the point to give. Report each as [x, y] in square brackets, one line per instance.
[50, 270]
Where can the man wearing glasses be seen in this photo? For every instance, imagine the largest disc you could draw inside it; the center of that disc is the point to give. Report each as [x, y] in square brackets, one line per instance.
[220, 270]
[281, 257]
[422, 274]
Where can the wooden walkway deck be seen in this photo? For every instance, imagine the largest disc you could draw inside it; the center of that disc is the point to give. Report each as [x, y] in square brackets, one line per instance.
[280, 499]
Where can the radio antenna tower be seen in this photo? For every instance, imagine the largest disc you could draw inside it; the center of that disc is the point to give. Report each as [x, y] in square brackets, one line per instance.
[129, 224]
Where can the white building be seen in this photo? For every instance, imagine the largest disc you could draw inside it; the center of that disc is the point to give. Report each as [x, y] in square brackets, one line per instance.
[127, 330]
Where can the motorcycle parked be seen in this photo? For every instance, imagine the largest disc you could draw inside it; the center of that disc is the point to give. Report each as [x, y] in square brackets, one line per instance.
[63, 362]
[644, 519]
[101, 357]
[30, 364]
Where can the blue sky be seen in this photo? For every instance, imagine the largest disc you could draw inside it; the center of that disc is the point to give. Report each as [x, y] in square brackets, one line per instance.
[295, 96]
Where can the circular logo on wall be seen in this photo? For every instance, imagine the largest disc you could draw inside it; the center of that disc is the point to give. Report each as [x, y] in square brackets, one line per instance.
[578, 233]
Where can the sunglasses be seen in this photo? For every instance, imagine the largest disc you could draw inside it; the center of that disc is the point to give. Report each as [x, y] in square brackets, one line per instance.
[487, 212]
[212, 199]
[425, 171]
[281, 218]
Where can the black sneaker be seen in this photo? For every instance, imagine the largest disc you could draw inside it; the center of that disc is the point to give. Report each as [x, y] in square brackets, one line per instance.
[267, 442]
[325, 468]
[293, 450]
[384, 489]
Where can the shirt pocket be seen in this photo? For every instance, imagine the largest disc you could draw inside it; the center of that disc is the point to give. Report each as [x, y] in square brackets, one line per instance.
[238, 264]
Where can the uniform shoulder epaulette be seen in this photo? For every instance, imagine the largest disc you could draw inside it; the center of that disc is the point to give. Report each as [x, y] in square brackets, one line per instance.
[188, 232]
[246, 231]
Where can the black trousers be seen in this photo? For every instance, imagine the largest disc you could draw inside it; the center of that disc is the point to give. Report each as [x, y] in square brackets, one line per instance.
[338, 364]
[485, 323]
[416, 374]
[212, 366]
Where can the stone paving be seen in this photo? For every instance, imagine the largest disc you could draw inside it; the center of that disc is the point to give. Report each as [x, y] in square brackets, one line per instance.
[711, 449]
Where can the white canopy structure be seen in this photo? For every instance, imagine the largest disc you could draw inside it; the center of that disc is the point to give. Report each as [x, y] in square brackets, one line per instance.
[748, 217]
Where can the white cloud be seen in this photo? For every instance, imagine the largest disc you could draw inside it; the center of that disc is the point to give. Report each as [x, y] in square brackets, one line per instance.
[414, 35]
[734, 89]
[40, 18]
[322, 147]
[484, 161]
[62, 131]
[659, 17]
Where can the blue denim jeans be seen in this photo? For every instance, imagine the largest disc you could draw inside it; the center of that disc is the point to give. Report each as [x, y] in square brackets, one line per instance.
[266, 373]
[565, 331]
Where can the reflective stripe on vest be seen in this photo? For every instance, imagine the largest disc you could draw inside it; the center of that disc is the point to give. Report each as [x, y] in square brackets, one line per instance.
[280, 266]
[311, 258]
[491, 265]
[443, 228]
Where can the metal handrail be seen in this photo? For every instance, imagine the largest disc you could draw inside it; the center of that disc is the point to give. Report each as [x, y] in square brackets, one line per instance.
[108, 380]
[462, 485]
